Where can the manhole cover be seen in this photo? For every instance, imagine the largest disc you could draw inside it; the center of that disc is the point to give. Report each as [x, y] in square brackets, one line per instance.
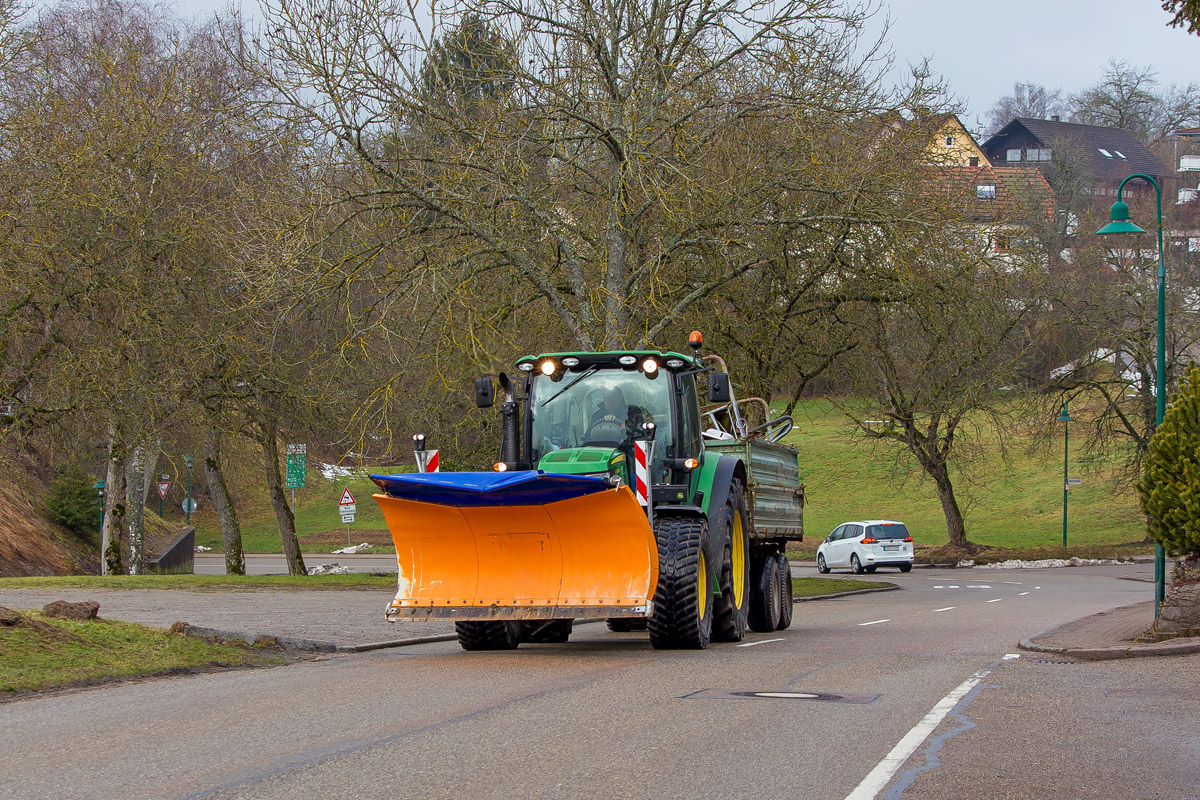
[771, 694]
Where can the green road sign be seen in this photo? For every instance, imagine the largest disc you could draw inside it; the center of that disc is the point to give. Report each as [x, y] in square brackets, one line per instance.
[295, 466]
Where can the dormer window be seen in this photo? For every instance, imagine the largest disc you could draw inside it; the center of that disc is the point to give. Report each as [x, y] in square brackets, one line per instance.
[985, 191]
[949, 141]
[1014, 154]
[1120, 154]
[1104, 152]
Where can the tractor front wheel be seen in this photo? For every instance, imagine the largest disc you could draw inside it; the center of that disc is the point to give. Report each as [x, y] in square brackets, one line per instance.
[490, 635]
[683, 607]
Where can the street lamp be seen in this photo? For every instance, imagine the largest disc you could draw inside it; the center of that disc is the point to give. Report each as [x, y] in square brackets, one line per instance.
[187, 504]
[1122, 224]
[1066, 420]
[99, 487]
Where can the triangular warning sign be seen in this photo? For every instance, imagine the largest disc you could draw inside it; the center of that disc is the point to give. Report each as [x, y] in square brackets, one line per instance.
[347, 498]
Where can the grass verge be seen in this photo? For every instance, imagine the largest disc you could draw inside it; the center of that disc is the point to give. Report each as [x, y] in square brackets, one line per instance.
[817, 587]
[203, 582]
[39, 653]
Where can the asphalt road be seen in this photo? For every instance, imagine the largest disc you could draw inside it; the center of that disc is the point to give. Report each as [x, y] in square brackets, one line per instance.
[606, 716]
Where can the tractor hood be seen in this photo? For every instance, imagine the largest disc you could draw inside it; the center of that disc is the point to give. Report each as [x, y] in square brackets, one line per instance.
[579, 460]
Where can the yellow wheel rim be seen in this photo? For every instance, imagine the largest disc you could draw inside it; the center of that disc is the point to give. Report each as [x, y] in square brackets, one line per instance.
[702, 594]
[737, 540]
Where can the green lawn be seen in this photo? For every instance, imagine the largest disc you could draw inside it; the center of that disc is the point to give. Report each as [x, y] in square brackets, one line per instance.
[817, 587]
[1018, 506]
[39, 652]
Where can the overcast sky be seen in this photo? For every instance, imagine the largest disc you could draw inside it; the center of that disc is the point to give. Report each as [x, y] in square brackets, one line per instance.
[1057, 43]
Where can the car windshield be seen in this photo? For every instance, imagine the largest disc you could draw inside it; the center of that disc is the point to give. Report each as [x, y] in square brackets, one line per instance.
[895, 530]
[598, 407]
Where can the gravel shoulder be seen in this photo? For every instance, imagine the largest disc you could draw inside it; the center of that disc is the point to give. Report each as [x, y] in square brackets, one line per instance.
[347, 617]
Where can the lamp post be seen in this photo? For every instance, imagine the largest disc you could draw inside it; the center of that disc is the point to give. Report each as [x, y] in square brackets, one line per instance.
[99, 487]
[1120, 223]
[1066, 420]
[187, 504]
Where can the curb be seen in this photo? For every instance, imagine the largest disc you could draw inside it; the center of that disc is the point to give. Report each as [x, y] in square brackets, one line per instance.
[836, 595]
[257, 639]
[1173, 647]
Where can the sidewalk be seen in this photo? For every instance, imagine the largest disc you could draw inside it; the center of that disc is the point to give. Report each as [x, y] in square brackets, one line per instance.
[1109, 635]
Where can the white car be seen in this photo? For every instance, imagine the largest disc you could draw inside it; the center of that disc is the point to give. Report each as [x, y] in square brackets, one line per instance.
[865, 545]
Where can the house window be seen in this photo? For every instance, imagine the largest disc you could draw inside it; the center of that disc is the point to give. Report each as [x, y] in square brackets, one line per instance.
[949, 141]
[973, 161]
[1037, 154]
[1003, 243]
[1014, 154]
[1104, 152]
[1120, 154]
[985, 191]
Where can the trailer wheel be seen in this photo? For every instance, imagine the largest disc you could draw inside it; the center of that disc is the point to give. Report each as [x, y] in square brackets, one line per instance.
[731, 609]
[764, 600]
[683, 607]
[548, 631]
[626, 624]
[490, 635]
[785, 592]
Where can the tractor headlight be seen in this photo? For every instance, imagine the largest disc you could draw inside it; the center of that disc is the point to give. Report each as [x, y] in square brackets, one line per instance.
[649, 366]
[627, 361]
[570, 361]
[525, 366]
[675, 363]
[548, 367]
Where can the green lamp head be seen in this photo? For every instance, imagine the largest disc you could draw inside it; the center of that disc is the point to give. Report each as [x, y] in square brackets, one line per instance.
[1120, 221]
[1064, 416]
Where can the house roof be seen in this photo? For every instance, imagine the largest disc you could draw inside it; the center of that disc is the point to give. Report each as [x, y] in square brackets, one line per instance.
[1018, 194]
[1126, 155]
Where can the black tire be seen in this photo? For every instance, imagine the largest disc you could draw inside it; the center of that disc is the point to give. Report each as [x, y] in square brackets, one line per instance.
[764, 599]
[547, 631]
[785, 593]
[822, 567]
[855, 565]
[683, 607]
[870, 570]
[732, 608]
[491, 635]
[906, 567]
[626, 624]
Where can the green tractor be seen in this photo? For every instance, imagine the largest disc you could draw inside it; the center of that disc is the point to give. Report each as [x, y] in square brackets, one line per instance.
[617, 495]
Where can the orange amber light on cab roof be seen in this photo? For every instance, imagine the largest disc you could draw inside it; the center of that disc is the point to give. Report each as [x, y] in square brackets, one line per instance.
[695, 337]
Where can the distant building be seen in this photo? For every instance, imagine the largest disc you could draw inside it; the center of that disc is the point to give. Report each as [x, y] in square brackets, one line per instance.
[1109, 154]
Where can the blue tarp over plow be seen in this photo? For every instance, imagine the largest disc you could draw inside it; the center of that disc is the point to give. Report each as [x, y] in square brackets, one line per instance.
[486, 489]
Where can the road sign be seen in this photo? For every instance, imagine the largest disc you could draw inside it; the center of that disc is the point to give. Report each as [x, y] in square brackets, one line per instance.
[189, 505]
[346, 504]
[296, 455]
[347, 518]
[163, 486]
[1074, 481]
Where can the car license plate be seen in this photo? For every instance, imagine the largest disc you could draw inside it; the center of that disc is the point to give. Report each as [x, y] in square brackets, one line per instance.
[891, 547]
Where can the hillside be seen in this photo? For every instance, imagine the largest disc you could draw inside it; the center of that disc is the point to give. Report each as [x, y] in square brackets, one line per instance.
[29, 544]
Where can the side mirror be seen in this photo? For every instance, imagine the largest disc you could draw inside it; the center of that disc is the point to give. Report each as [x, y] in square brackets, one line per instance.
[718, 387]
[484, 393]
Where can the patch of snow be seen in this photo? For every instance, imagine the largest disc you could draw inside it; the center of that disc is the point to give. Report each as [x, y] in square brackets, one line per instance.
[1048, 563]
[966, 562]
[202, 549]
[358, 548]
[331, 471]
[328, 569]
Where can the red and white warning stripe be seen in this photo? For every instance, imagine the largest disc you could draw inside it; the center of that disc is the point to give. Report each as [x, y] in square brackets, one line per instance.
[641, 471]
[427, 461]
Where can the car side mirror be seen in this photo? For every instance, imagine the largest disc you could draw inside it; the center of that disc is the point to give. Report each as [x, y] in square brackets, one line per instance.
[484, 393]
[718, 387]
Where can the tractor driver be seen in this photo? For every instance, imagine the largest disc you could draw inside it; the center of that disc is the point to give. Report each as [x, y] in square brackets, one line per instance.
[614, 408]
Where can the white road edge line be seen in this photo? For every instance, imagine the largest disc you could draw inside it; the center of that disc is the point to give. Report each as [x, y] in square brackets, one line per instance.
[997, 600]
[764, 641]
[878, 778]
[1022, 594]
[947, 608]
[876, 622]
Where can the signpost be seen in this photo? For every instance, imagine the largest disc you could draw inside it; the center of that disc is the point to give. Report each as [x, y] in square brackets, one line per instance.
[164, 486]
[346, 508]
[296, 455]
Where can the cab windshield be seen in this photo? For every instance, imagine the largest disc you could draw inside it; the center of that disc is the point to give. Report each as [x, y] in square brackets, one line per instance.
[598, 407]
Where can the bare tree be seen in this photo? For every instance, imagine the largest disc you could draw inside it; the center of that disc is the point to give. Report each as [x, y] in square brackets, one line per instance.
[1129, 97]
[1028, 99]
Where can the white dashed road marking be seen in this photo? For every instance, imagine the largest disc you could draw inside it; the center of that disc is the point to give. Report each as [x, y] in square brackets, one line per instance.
[764, 641]
[978, 586]
[947, 608]
[997, 600]
[876, 622]
[1022, 594]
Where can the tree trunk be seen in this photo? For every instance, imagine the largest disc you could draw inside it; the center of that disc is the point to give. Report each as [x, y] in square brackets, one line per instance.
[231, 531]
[114, 506]
[150, 475]
[283, 513]
[137, 511]
[954, 519]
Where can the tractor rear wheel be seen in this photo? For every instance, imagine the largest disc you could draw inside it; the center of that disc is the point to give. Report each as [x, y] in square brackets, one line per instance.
[731, 609]
[683, 607]
[785, 592]
[626, 624]
[548, 631]
[764, 600]
[490, 635]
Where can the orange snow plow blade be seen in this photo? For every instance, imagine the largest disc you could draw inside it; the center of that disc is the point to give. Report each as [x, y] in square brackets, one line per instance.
[518, 553]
